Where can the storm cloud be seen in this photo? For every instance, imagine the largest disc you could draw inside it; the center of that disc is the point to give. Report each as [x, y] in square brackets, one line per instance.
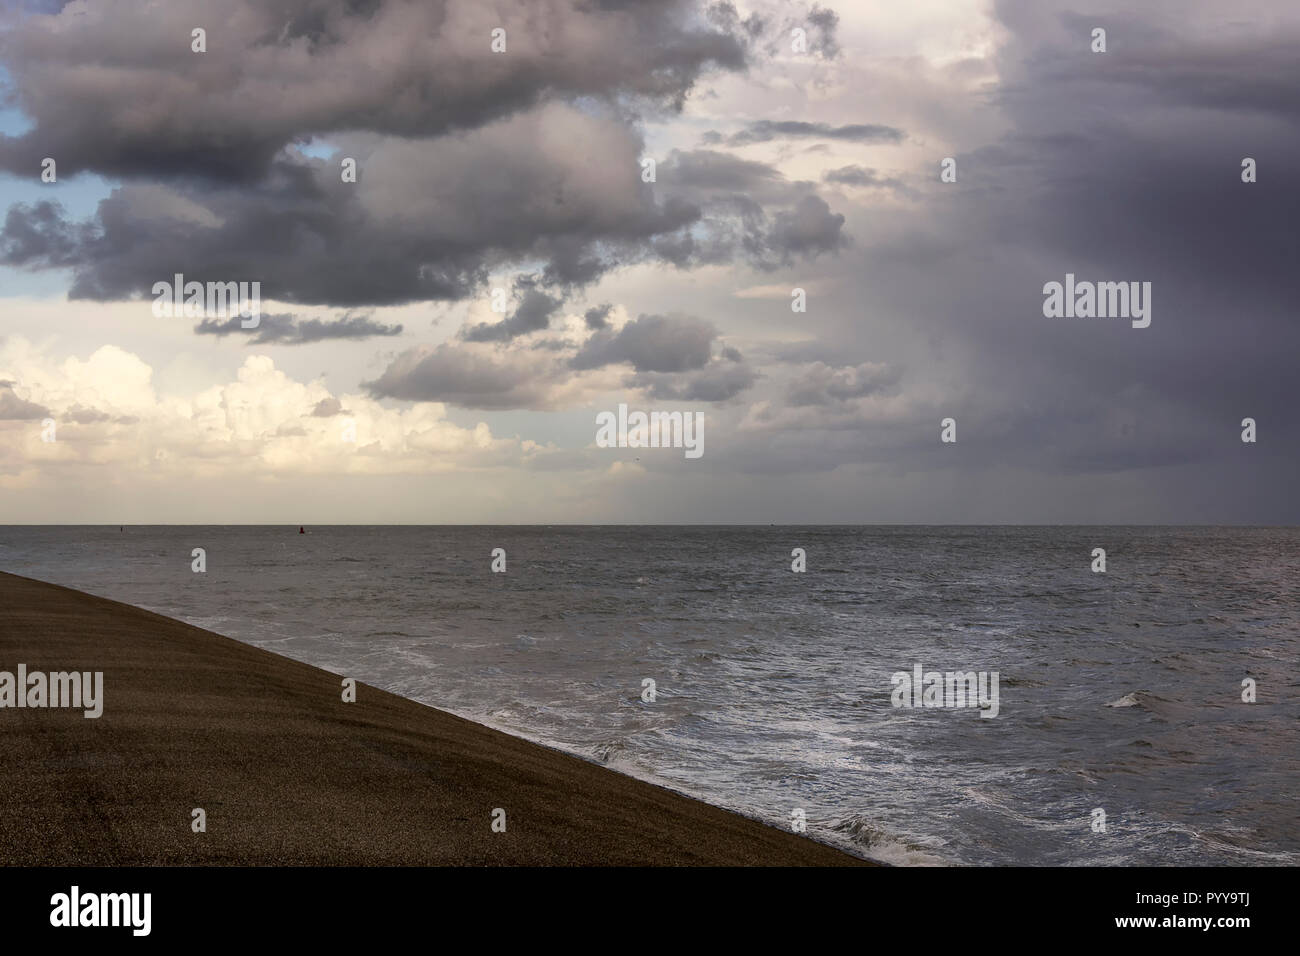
[114, 87]
[774, 170]
[532, 315]
[652, 343]
[15, 409]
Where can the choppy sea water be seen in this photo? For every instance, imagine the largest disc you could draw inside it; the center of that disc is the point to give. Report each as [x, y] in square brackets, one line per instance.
[1119, 691]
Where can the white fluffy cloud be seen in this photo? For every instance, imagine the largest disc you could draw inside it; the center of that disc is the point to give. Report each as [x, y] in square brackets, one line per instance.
[106, 410]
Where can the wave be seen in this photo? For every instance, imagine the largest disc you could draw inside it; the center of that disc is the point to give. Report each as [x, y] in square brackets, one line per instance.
[876, 844]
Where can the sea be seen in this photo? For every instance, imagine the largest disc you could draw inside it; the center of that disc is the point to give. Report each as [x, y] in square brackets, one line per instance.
[1146, 715]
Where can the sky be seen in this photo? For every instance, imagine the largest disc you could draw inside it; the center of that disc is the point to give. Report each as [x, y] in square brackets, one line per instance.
[618, 208]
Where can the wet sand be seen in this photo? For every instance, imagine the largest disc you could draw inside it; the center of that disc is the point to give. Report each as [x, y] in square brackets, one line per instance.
[289, 774]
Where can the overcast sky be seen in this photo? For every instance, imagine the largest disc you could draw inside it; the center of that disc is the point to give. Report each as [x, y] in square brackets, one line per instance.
[795, 146]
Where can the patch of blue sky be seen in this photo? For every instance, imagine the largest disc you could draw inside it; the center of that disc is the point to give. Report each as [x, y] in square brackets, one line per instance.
[79, 196]
[317, 148]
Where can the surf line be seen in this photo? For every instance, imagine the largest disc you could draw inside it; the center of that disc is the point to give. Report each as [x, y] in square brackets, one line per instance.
[76, 689]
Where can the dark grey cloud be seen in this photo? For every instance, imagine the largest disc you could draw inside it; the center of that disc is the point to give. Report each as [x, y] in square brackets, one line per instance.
[469, 377]
[431, 220]
[37, 235]
[750, 212]
[283, 329]
[810, 228]
[670, 357]
[767, 30]
[114, 87]
[763, 131]
[702, 173]
[429, 223]
[823, 384]
[1175, 62]
[531, 315]
[726, 17]
[820, 25]
[1107, 172]
[13, 408]
[464, 156]
[825, 22]
[597, 317]
[718, 382]
[1124, 165]
[1138, 191]
[651, 343]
